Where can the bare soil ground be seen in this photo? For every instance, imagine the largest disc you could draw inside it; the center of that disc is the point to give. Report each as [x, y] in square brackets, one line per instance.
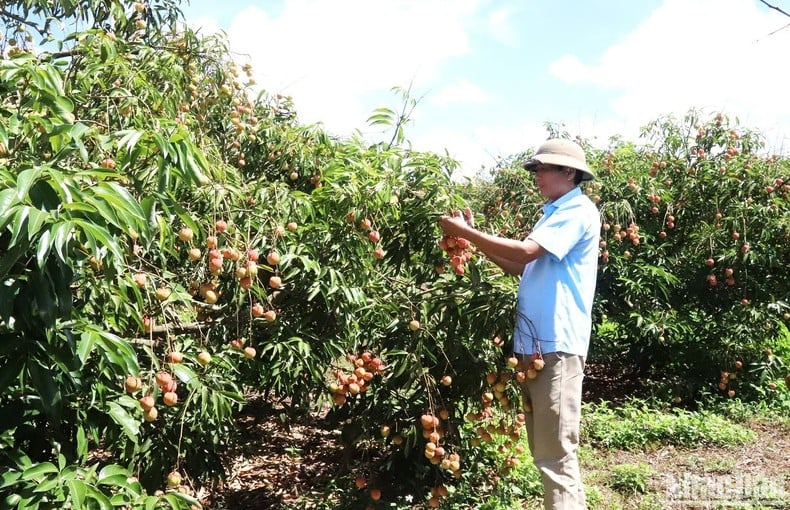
[282, 462]
[752, 476]
[289, 463]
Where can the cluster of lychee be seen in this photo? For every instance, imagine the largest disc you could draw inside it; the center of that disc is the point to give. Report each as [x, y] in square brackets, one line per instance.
[167, 384]
[174, 482]
[528, 370]
[366, 367]
[726, 379]
[459, 252]
[496, 391]
[361, 482]
[245, 269]
[654, 200]
[374, 235]
[434, 451]
[246, 264]
[438, 492]
[511, 427]
[728, 274]
[629, 233]
[458, 249]
[275, 282]
[248, 350]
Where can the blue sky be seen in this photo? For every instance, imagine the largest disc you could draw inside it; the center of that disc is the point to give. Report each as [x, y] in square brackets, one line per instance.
[491, 73]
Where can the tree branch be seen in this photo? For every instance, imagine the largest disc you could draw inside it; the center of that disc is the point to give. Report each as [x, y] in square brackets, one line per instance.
[21, 20]
[160, 331]
[775, 8]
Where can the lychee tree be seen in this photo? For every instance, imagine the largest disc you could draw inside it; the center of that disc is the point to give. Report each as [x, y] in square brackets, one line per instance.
[170, 242]
[695, 227]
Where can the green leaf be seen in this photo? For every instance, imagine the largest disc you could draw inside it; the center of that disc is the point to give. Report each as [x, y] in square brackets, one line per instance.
[7, 197]
[77, 492]
[180, 500]
[61, 235]
[42, 252]
[43, 379]
[82, 443]
[118, 352]
[112, 470]
[36, 218]
[25, 180]
[183, 373]
[130, 424]
[38, 471]
[9, 478]
[162, 145]
[129, 138]
[85, 345]
[47, 484]
[14, 500]
[107, 212]
[99, 497]
[97, 237]
[49, 78]
[19, 226]
[79, 206]
[119, 480]
[63, 105]
[120, 199]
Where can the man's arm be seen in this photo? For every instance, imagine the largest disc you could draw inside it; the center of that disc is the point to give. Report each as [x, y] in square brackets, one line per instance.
[508, 266]
[509, 254]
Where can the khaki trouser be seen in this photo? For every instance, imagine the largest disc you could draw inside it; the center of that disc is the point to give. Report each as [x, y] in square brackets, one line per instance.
[553, 428]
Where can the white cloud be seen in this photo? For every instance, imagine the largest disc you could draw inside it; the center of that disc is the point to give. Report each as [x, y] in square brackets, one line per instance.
[570, 69]
[501, 27]
[481, 148]
[204, 25]
[710, 54]
[328, 55]
[462, 91]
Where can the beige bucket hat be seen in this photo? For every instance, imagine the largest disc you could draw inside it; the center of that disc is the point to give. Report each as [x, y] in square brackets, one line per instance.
[562, 152]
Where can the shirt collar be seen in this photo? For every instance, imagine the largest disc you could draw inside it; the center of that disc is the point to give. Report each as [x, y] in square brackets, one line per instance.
[550, 207]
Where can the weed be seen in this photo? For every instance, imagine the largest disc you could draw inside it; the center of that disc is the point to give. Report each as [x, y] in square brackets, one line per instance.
[720, 465]
[630, 479]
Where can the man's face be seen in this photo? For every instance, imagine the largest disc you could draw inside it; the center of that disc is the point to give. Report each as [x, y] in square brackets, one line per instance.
[553, 181]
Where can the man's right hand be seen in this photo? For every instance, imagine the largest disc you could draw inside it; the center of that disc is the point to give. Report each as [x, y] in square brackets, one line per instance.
[455, 225]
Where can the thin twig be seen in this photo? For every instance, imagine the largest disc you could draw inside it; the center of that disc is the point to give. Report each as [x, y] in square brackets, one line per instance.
[779, 29]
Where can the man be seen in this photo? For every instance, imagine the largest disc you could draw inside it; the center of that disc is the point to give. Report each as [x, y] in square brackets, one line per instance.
[557, 263]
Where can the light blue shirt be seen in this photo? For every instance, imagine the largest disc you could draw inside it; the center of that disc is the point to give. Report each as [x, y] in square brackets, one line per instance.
[556, 291]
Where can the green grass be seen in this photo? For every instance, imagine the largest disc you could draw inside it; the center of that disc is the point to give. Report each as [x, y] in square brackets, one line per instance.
[636, 426]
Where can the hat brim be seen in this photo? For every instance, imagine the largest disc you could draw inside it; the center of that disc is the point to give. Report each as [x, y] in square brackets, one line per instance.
[559, 160]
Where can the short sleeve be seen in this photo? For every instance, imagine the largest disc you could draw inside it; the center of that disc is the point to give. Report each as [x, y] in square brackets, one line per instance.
[561, 231]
